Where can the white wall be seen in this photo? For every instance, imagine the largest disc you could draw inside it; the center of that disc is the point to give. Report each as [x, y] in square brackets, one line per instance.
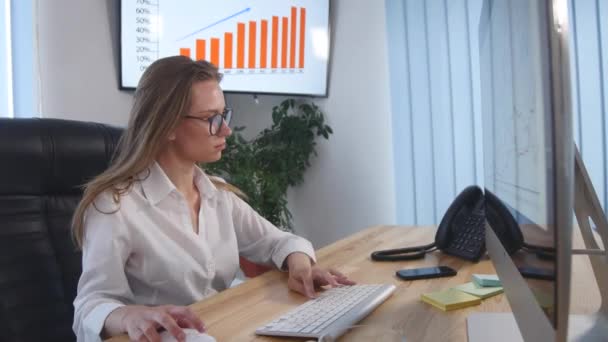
[350, 186]
[78, 54]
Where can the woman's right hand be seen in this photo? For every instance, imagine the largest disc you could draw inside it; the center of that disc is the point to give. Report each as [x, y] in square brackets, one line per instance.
[142, 322]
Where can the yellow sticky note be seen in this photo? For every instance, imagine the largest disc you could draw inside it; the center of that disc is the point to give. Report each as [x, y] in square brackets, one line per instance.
[479, 291]
[450, 299]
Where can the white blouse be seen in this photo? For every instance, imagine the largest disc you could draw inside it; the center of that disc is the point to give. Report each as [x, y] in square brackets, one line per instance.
[147, 252]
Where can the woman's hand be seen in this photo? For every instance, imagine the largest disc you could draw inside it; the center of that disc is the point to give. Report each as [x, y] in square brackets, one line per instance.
[142, 322]
[304, 277]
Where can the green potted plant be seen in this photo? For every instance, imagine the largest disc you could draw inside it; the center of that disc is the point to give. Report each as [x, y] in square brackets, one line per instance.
[266, 166]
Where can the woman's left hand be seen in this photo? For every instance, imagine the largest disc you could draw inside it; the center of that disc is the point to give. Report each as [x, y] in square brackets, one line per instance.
[304, 277]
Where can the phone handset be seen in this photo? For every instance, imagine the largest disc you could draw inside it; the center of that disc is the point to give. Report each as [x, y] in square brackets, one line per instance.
[507, 229]
[407, 253]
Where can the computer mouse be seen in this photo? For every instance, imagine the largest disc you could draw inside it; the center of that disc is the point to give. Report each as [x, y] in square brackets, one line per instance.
[192, 335]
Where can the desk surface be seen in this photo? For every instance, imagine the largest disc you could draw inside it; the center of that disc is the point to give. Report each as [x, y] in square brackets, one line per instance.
[234, 314]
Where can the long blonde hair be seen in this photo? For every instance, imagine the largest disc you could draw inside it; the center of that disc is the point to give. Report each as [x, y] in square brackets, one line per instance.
[162, 96]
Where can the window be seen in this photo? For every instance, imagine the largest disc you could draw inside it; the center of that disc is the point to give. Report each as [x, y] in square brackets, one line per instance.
[17, 91]
[6, 65]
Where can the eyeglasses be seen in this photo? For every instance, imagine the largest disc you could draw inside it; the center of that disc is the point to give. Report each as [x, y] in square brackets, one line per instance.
[215, 121]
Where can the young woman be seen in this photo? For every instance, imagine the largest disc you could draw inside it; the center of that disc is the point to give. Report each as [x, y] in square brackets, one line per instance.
[156, 232]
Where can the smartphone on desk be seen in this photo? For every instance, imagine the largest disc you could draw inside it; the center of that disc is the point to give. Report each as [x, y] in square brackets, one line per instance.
[426, 273]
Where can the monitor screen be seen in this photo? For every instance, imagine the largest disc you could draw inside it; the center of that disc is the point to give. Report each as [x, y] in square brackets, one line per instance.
[519, 143]
[266, 46]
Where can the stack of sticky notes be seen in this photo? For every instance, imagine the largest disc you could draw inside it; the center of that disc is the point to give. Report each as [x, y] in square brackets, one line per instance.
[450, 299]
[486, 280]
[479, 291]
[483, 286]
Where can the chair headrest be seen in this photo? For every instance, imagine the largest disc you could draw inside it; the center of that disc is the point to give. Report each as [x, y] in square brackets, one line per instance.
[52, 156]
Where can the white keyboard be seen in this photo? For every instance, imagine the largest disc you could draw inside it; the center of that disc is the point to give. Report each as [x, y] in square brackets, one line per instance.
[331, 314]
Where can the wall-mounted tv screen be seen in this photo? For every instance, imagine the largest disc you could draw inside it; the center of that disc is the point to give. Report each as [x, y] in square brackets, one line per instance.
[261, 46]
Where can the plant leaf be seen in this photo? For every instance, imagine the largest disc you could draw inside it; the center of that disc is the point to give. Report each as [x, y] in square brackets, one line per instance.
[265, 167]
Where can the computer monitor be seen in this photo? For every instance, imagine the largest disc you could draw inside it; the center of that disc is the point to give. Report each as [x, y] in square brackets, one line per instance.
[529, 155]
[532, 167]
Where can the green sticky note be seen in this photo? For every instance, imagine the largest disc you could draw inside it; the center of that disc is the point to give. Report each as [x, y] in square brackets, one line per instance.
[484, 280]
[479, 291]
[450, 299]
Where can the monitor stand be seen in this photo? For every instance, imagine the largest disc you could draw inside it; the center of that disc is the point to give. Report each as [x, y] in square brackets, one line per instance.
[482, 327]
[587, 207]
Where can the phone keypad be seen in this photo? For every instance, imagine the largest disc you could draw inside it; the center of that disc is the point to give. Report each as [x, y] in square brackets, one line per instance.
[469, 238]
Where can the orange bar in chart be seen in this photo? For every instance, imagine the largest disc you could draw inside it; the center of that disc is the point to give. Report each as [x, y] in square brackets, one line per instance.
[302, 36]
[240, 46]
[227, 50]
[275, 42]
[284, 43]
[215, 52]
[264, 44]
[252, 25]
[292, 39]
[184, 52]
[200, 49]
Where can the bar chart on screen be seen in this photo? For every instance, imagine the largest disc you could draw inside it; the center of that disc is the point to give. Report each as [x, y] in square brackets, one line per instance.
[259, 46]
[241, 50]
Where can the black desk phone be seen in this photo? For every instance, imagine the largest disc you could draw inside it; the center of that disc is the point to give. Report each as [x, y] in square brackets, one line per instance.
[461, 231]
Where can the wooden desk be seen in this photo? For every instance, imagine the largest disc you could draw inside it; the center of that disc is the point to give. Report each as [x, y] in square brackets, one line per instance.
[233, 315]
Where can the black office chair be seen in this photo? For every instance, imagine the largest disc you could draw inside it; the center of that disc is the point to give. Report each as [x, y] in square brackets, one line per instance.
[43, 163]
